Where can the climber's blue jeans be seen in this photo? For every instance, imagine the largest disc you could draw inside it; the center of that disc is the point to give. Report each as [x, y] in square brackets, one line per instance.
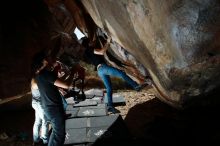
[105, 71]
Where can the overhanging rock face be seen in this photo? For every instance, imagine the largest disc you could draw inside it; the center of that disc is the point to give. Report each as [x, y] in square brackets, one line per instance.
[177, 41]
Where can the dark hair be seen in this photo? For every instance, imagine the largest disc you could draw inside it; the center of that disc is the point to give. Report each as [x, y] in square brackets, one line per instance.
[37, 61]
[98, 43]
[56, 48]
[85, 42]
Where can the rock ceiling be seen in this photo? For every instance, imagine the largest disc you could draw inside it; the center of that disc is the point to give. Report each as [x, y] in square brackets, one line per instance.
[175, 42]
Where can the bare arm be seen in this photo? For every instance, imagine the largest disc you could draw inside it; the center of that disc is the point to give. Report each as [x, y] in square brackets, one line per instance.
[33, 84]
[101, 51]
[62, 84]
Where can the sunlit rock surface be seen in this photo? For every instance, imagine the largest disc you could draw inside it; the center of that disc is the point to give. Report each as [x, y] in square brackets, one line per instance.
[176, 42]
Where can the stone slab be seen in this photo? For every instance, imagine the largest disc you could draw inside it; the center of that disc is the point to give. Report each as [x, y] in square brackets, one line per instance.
[94, 133]
[89, 130]
[71, 108]
[89, 96]
[87, 102]
[91, 112]
[73, 113]
[70, 100]
[76, 136]
[103, 121]
[77, 123]
[95, 91]
[98, 99]
[117, 100]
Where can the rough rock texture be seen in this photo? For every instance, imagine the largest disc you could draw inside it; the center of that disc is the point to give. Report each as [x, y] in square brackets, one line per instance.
[24, 30]
[71, 14]
[177, 41]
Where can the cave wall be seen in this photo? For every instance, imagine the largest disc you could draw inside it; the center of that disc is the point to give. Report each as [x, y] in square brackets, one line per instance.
[176, 40]
[25, 28]
[73, 13]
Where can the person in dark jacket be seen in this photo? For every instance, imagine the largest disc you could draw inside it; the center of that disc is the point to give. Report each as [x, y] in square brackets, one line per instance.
[51, 99]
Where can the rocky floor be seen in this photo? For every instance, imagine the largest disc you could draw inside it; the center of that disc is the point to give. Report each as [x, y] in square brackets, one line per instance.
[149, 121]
[152, 122]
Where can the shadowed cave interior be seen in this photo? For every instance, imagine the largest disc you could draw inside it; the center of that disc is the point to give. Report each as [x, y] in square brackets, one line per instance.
[27, 26]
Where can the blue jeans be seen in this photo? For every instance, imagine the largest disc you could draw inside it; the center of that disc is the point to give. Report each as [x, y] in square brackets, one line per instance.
[65, 104]
[41, 121]
[55, 115]
[105, 71]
